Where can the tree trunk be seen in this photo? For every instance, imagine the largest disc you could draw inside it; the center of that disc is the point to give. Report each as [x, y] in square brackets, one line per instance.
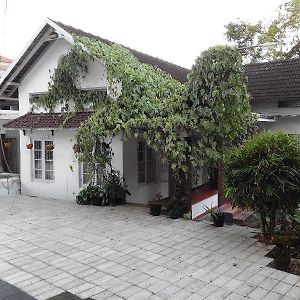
[221, 193]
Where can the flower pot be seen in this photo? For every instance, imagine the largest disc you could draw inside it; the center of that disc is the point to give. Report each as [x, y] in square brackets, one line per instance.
[7, 144]
[76, 148]
[29, 146]
[218, 220]
[155, 209]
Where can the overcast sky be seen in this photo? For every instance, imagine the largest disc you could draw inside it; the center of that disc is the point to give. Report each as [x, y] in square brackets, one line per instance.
[174, 30]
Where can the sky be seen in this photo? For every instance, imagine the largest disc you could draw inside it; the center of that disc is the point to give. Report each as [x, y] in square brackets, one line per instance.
[173, 30]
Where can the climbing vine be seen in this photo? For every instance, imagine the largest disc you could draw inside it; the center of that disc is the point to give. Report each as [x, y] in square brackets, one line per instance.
[148, 102]
[187, 124]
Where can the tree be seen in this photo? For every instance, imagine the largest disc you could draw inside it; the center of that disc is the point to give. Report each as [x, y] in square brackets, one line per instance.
[283, 30]
[218, 101]
[264, 174]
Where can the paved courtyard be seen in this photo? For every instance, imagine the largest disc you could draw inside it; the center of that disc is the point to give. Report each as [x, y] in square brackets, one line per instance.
[50, 246]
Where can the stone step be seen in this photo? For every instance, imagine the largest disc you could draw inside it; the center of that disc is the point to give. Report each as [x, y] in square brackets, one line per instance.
[234, 215]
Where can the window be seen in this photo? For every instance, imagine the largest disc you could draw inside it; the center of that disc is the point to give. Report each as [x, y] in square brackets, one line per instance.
[146, 163]
[43, 160]
[89, 172]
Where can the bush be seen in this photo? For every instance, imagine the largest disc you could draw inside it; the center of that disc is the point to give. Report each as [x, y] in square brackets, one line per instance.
[264, 174]
[115, 189]
[92, 194]
[111, 192]
[177, 207]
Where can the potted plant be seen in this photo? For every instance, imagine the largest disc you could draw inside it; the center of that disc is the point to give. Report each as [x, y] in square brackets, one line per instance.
[7, 144]
[76, 148]
[156, 204]
[217, 215]
[29, 146]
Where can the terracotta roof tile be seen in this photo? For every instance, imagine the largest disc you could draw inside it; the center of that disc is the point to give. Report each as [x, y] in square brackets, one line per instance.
[47, 120]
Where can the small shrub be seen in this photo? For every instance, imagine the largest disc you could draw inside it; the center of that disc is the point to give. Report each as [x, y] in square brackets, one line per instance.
[264, 174]
[112, 192]
[92, 194]
[187, 216]
[115, 189]
[177, 207]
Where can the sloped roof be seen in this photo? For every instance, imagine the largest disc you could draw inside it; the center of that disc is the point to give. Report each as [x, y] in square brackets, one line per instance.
[175, 71]
[274, 81]
[47, 121]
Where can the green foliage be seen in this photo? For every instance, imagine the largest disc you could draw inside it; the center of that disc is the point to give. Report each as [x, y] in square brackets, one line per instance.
[64, 83]
[143, 101]
[177, 207]
[149, 104]
[219, 103]
[115, 191]
[283, 29]
[187, 216]
[112, 192]
[264, 174]
[92, 194]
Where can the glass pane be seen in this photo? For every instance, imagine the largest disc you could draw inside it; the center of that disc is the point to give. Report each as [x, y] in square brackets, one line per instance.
[37, 154]
[49, 175]
[38, 164]
[85, 179]
[37, 145]
[38, 174]
[48, 143]
[99, 175]
[49, 165]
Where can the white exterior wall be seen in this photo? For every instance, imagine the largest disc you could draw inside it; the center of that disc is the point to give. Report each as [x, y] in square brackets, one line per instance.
[286, 124]
[36, 81]
[141, 193]
[66, 184]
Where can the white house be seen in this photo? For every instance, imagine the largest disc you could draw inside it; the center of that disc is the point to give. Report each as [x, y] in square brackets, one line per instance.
[47, 173]
[275, 94]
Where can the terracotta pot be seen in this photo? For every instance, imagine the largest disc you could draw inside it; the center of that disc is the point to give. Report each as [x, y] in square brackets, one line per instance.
[76, 148]
[7, 144]
[29, 146]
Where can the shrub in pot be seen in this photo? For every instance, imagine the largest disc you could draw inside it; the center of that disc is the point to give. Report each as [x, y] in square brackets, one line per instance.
[217, 215]
[156, 204]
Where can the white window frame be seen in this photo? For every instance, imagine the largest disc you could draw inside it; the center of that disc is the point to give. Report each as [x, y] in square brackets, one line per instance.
[98, 180]
[146, 164]
[43, 160]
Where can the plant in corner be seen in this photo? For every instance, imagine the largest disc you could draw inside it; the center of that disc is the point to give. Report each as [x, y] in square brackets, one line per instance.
[264, 174]
[177, 207]
[92, 194]
[115, 189]
[216, 214]
[156, 204]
